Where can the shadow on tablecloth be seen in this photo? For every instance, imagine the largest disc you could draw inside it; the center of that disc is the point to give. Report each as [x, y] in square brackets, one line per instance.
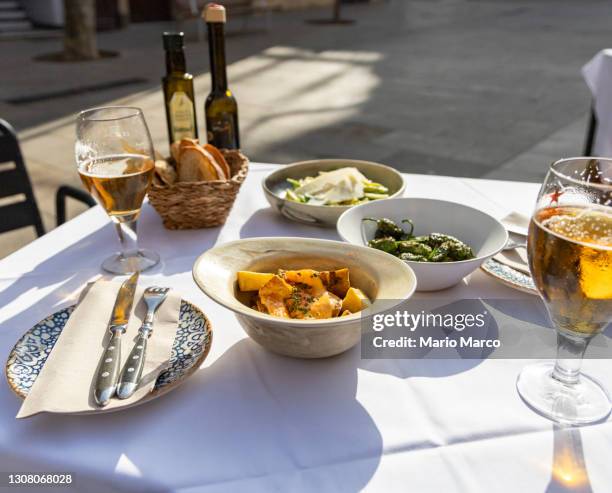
[251, 421]
[268, 222]
[71, 268]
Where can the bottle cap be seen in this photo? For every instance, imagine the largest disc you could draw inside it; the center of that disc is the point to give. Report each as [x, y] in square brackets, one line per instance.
[173, 41]
[213, 12]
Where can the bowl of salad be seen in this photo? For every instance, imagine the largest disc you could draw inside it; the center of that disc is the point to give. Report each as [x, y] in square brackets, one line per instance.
[318, 192]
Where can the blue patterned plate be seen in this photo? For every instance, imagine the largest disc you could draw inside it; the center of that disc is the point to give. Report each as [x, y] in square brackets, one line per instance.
[509, 276]
[191, 345]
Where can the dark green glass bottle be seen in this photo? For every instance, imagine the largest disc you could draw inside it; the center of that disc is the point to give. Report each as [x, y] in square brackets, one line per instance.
[220, 109]
[178, 91]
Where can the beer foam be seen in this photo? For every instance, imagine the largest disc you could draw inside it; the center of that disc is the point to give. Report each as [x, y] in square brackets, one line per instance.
[585, 226]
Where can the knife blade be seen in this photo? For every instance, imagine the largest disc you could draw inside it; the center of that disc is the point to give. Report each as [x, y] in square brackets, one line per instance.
[108, 369]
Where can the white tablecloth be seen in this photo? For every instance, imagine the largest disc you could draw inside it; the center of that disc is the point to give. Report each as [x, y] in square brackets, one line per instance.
[253, 421]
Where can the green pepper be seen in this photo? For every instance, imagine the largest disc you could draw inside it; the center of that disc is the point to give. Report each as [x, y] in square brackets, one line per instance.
[386, 244]
[409, 234]
[414, 247]
[385, 228]
[421, 239]
[459, 250]
[436, 247]
[436, 239]
[412, 257]
[440, 253]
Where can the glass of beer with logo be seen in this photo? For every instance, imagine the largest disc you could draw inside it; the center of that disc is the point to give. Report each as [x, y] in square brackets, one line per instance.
[115, 159]
[570, 258]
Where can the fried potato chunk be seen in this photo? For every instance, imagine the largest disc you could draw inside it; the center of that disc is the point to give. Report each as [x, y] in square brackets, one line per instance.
[273, 294]
[326, 306]
[302, 293]
[252, 281]
[355, 300]
[298, 304]
[337, 281]
[309, 277]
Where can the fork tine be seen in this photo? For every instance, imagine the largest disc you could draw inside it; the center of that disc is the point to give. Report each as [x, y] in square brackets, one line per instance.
[156, 290]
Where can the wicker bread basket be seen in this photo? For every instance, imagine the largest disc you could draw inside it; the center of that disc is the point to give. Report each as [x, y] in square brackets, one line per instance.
[202, 204]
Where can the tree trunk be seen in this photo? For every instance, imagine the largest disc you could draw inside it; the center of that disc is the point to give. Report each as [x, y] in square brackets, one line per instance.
[80, 30]
[337, 10]
[123, 8]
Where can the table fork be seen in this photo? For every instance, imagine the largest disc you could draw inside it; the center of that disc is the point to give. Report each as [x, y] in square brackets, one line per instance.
[132, 371]
[513, 245]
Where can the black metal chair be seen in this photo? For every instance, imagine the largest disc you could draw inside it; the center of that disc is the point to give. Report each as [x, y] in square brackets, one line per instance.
[15, 183]
[64, 192]
[14, 180]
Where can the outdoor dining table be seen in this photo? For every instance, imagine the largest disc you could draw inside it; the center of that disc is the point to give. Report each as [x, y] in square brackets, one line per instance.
[250, 420]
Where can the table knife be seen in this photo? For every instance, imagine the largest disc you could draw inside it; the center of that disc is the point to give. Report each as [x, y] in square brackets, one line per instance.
[108, 369]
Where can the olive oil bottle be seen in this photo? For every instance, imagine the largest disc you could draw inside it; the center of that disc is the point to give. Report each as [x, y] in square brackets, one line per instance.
[178, 91]
[220, 109]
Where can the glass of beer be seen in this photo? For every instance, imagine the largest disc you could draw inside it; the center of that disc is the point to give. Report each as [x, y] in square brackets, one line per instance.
[115, 159]
[570, 258]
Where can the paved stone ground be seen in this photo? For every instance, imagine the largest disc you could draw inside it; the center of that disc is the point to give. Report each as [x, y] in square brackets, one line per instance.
[479, 88]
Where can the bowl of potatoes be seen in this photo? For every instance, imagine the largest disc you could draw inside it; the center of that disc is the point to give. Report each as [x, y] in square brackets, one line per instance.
[302, 297]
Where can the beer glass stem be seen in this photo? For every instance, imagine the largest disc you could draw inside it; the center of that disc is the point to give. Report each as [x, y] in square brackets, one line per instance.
[570, 350]
[128, 238]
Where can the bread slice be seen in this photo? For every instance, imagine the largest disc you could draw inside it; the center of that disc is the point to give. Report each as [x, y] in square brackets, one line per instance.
[195, 165]
[165, 172]
[186, 141]
[177, 146]
[216, 153]
[218, 169]
[175, 151]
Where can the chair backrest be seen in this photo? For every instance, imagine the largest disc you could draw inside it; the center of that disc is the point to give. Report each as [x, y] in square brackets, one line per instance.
[14, 181]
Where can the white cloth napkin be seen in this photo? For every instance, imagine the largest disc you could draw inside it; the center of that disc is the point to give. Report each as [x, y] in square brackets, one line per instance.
[517, 259]
[66, 381]
[598, 75]
[517, 223]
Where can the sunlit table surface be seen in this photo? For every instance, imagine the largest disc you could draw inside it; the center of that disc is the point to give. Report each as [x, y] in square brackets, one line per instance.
[253, 421]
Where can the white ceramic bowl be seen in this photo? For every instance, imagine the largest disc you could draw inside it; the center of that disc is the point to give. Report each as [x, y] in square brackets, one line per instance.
[275, 185]
[485, 234]
[382, 277]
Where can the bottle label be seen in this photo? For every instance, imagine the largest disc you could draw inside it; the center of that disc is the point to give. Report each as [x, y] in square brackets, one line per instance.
[222, 131]
[182, 116]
